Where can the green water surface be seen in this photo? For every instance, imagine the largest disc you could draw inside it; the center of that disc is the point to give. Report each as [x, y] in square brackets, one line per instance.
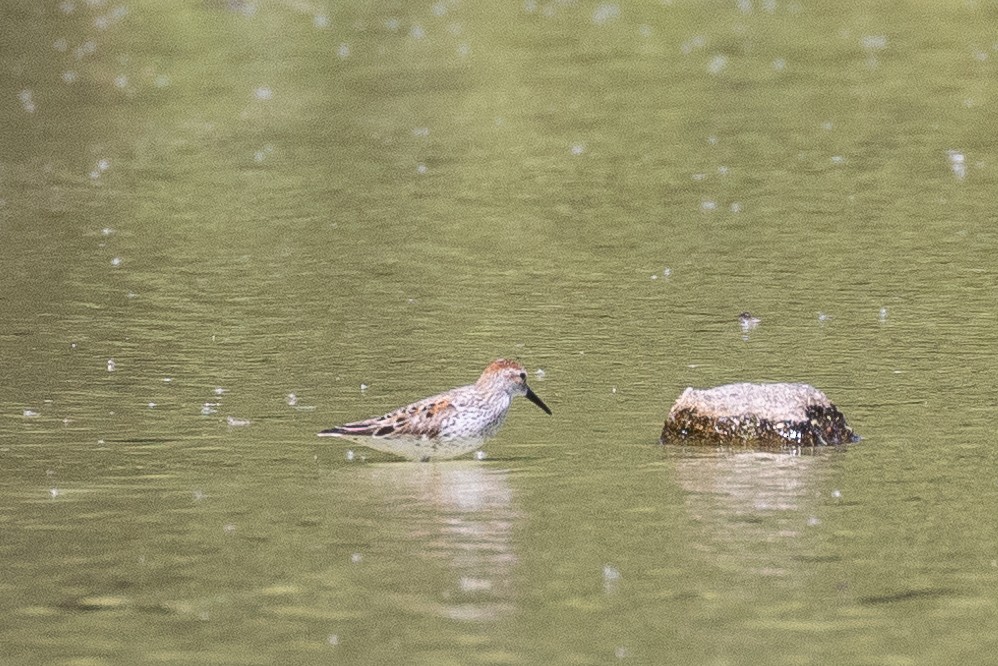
[226, 225]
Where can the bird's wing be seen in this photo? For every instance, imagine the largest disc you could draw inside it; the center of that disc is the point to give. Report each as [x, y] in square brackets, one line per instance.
[420, 419]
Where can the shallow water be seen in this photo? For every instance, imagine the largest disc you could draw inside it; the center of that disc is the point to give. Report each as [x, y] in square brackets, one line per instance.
[226, 226]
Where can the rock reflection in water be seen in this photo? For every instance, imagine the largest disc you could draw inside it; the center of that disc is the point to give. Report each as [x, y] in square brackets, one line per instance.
[753, 505]
[459, 515]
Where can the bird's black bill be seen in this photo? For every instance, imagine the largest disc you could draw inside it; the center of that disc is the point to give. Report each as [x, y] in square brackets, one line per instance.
[532, 397]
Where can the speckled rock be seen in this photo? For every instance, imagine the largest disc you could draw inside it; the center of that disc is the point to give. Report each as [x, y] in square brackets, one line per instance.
[756, 415]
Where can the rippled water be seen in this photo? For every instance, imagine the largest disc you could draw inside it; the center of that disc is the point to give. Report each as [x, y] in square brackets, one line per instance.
[225, 226]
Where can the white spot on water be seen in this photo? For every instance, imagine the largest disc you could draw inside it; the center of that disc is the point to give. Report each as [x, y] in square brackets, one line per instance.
[70, 76]
[320, 21]
[29, 413]
[539, 373]
[779, 65]
[363, 387]
[717, 64]
[708, 206]
[356, 558]
[479, 455]
[237, 423]
[693, 44]
[333, 639]
[605, 13]
[291, 399]
[838, 159]
[873, 42]
[883, 315]
[54, 492]
[110, 365]
[121, 81]
[421, 131]
[393, 24]
[611, 578]
[152, 405]
[417, 32]
[343, 51]
[813, 521]
[735, 207]
[116, 262]
[264, 93]
[209, 408]
[837, 493]
[421, 168]
[577, 148]
[957, 163]
[26, 98]
[219, 390]
[350, 454]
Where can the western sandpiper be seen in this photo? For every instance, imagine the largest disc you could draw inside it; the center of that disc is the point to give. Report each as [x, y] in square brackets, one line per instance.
[446, 425]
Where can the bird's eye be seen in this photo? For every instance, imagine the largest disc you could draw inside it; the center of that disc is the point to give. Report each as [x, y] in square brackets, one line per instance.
[523, 376]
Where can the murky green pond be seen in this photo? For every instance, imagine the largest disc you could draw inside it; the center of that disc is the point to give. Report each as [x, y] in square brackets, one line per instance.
[226, 225]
